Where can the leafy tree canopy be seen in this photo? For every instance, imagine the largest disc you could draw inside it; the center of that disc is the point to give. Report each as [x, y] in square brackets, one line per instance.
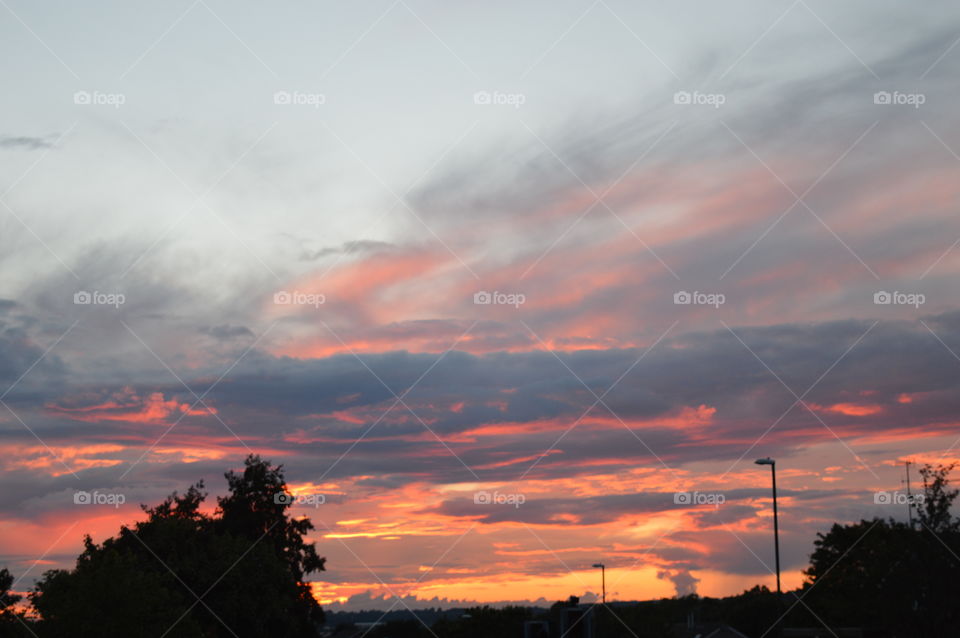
[238, 572]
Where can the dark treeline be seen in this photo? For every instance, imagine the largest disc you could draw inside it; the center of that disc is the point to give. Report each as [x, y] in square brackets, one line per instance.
[241, 572]
[182, 573]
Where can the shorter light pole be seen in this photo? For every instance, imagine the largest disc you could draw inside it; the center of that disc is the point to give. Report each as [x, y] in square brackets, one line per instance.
[603, 580]
[909, 497]
[776, 525]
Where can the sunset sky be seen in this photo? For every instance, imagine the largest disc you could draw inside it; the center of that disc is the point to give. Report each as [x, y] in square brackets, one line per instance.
[235, 227]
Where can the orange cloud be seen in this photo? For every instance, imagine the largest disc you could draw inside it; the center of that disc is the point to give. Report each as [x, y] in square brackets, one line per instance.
[130, 407]
[850, 409]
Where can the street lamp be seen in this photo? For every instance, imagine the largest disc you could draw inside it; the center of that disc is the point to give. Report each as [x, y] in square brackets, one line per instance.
[603, 579]
[776, 525]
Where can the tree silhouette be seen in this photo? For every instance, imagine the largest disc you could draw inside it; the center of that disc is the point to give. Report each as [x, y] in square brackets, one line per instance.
[185, 573]
[934, 512]
[256, 509]
[888, 576]
[7, 598]
[12, 621]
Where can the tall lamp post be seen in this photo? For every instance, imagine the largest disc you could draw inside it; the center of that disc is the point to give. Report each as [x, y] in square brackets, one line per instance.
[776, 525]
[603, 580]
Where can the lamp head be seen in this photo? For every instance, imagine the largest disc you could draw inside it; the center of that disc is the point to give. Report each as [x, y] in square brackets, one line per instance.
[766, 461]
[598, 565]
